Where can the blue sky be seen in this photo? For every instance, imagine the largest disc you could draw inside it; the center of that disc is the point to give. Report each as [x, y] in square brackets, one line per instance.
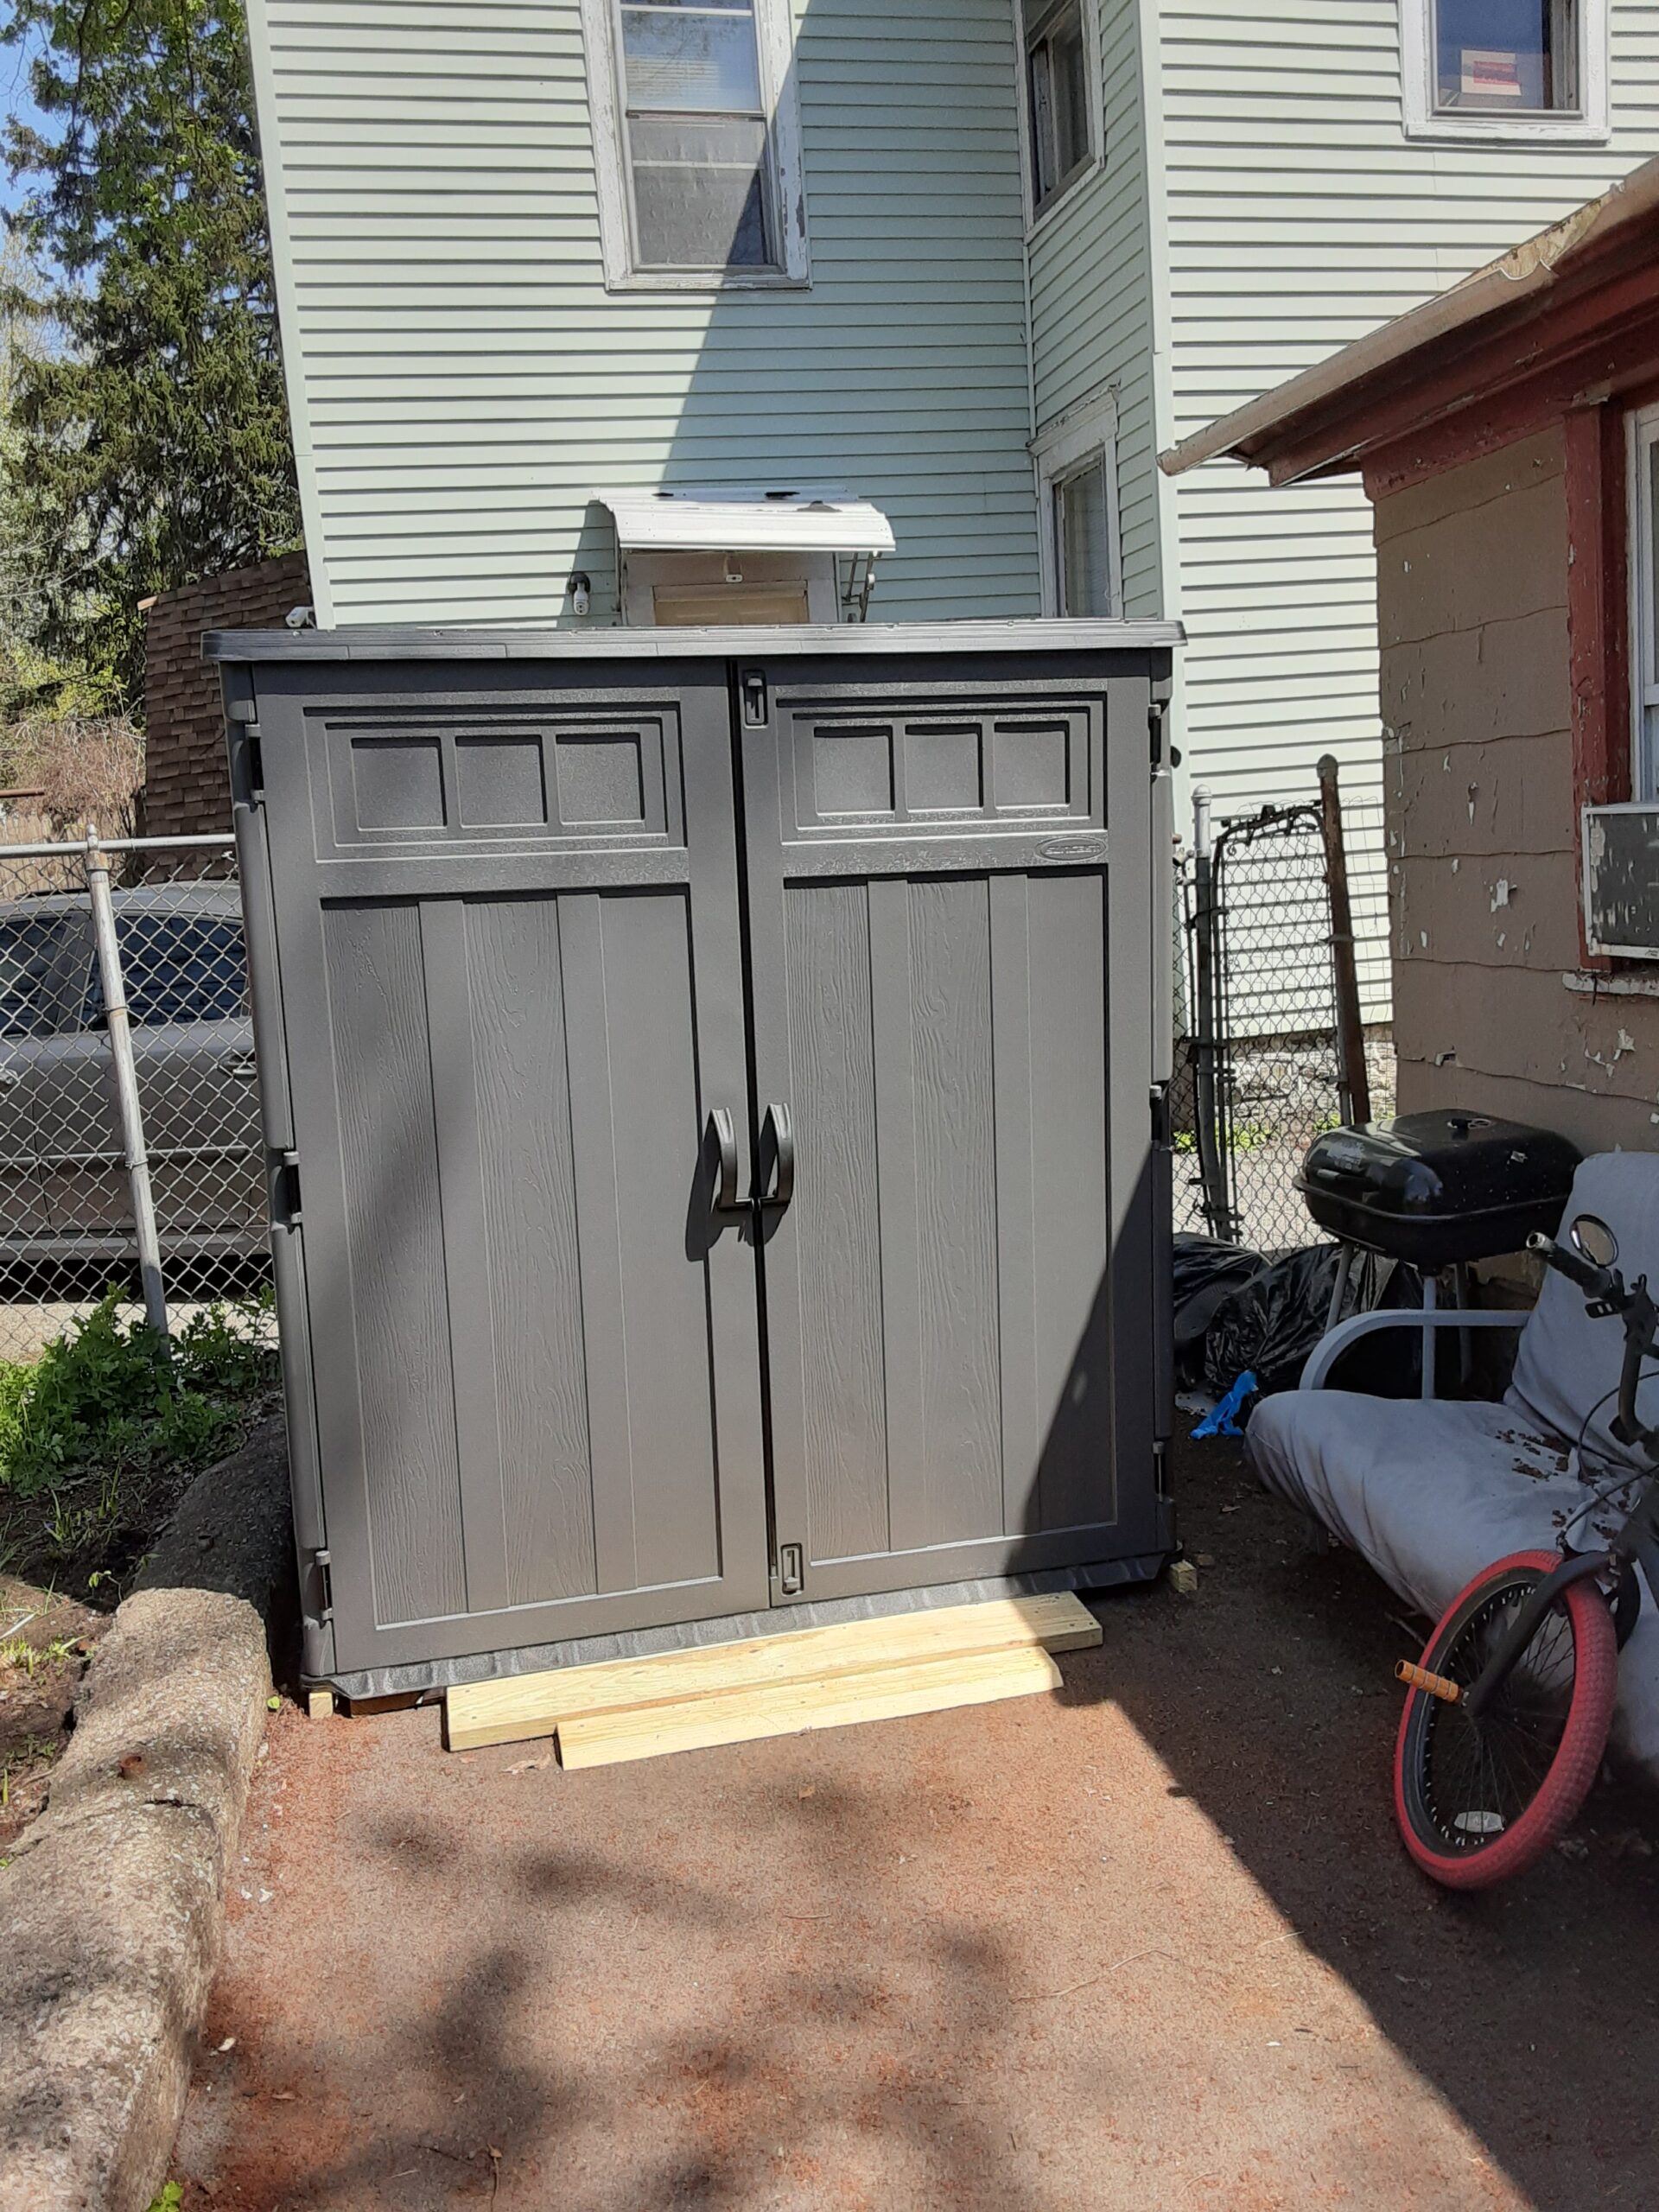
[14, 89]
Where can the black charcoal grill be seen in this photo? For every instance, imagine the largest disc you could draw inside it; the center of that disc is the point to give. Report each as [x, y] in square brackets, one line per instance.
[1437, 1190]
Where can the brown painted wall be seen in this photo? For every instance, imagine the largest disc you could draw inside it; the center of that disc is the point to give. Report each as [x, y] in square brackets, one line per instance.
[187, 784]
[1489, 1009]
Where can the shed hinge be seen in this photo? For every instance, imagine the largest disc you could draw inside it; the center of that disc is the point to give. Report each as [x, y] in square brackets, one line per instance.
[1163, 1136]
[323, 1562]
[1157, 717]
[791, 1569]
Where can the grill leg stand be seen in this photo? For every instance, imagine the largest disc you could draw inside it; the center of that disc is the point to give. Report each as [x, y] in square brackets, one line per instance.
[1339, 1289]
[1431, 1303]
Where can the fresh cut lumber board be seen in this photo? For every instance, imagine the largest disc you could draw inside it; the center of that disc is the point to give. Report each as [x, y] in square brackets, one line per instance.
[786, 1708]
[524, 1706]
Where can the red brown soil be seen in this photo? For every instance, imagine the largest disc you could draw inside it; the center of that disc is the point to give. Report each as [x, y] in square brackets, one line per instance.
[1150, 1943]
[35, 1700]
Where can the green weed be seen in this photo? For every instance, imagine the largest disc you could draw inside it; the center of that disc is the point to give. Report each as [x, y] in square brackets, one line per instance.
[19, 1652]
[99, 1436]
[112, 1393]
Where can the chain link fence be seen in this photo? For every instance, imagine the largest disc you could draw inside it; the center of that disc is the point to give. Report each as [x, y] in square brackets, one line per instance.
[1260, 1068]
[132, 1159]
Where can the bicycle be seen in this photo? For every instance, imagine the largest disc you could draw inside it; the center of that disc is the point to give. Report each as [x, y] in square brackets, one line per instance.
[1506, 1710]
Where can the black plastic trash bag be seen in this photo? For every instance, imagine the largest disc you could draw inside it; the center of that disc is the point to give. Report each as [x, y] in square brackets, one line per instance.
[1206, 1271]
[1272, 1322]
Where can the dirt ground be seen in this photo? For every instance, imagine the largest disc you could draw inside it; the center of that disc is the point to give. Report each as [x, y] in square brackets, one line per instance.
[1149, 1944]
[44, 1641]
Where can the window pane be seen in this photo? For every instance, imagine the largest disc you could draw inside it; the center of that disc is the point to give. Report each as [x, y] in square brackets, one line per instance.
[1512, 57]
[699, 194]
[29, 952]
[1071, 96]
[1085, 569]
[1058, 86]
[680, 62]
[174, 968]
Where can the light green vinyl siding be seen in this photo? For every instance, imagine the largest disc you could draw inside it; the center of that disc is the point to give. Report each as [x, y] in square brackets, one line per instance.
[1299, 216]
[462, 382]
[1092, 302]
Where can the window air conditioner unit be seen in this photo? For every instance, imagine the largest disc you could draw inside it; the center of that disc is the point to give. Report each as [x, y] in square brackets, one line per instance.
[1621, 880]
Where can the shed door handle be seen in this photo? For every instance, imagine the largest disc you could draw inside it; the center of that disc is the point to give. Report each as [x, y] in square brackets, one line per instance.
[777, 1161]
[722, 1138]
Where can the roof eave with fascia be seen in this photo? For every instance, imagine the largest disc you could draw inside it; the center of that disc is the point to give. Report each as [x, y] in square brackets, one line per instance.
[1392, 381]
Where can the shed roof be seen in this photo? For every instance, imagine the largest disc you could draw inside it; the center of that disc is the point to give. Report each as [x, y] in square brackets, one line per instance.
[1497, 326]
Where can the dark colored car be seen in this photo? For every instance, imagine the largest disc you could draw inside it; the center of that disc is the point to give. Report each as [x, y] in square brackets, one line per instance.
[64, 1201]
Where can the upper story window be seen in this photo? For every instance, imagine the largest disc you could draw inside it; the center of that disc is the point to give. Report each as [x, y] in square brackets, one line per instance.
[696, 145]
[1059, 102]
[1520, 69]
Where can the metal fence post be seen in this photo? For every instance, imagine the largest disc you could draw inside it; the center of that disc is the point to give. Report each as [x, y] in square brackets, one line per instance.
[1351, 1032]
[1206, 1130]
[118, 1029]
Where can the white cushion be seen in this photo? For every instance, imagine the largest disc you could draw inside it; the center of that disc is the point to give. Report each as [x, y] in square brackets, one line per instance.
[1566, 1362]
[1431, 1493]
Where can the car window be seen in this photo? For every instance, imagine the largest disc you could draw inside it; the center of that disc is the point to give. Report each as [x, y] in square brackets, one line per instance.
[30, 944]
[176, 968]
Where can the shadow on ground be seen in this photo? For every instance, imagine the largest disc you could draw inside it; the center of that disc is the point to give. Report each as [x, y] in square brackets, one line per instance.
[1534, 2009]
[1153, 1946]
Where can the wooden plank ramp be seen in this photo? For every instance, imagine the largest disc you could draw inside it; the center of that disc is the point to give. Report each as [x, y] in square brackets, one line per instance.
[778, 1685]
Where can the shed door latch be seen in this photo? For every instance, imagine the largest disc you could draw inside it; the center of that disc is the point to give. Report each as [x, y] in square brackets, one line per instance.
[752, 684]
[790, 1569]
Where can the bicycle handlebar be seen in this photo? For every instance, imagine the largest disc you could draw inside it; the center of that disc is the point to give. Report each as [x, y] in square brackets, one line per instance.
[1607, 1288]
[1594, 1281]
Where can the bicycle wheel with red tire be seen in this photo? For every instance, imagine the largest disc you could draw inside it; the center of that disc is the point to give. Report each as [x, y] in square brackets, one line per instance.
[1479, 1801]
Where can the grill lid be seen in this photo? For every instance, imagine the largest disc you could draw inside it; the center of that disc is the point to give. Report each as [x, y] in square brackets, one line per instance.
[1447, 1166]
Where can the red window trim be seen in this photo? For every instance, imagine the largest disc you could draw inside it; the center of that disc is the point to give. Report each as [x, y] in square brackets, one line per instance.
[1598, 619]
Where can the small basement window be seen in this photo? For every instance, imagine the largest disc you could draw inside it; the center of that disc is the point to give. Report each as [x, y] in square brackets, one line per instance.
[697, 152]
[1505, 68]
[1060, 109]
[1076, 475]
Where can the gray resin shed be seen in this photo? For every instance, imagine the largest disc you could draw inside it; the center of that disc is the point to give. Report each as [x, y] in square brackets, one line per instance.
[715, 1083]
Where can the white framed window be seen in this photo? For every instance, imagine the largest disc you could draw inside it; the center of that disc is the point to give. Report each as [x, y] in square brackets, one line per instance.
[1504, 69]
[1077, 479]
[1062, 120]
[696, 142]
[1642, 507]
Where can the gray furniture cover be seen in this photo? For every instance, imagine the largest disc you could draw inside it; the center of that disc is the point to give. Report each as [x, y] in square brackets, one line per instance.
[1431, 1492]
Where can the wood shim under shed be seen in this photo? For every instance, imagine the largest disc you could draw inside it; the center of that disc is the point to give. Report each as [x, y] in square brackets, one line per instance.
[776, 1685]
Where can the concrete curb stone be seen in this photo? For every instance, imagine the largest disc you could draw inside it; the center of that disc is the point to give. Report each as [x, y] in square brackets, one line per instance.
[112, 1908]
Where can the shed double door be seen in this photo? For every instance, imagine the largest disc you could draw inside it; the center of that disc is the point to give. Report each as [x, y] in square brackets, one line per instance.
[713, 1179]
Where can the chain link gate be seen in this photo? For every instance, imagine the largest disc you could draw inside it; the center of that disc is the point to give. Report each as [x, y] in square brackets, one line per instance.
[1263, 1063]
[132, 1157]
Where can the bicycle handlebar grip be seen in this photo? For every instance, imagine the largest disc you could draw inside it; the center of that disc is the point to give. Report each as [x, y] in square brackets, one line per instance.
[1592, 1281]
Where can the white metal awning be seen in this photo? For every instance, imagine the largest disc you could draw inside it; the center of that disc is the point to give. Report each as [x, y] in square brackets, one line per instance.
[806, 521]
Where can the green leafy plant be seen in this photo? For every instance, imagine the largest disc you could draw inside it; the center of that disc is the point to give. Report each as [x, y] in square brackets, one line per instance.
[171, 2198]
[113, 1394]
